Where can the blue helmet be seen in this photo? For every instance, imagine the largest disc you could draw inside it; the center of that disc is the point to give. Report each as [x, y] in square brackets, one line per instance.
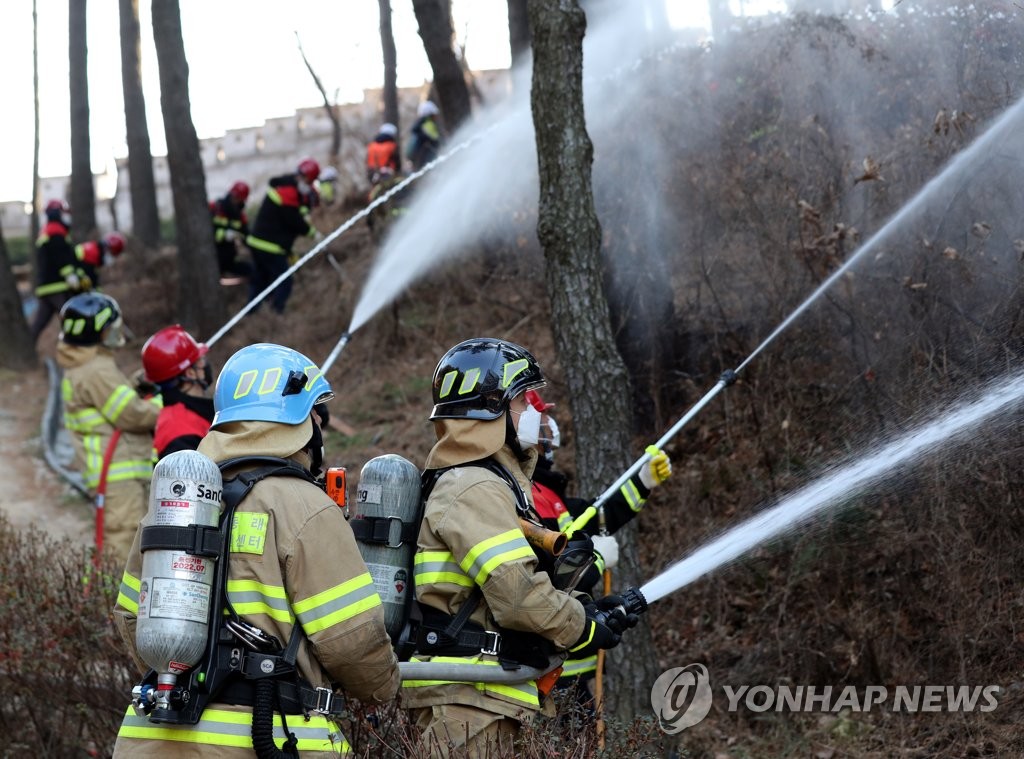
[268, 383]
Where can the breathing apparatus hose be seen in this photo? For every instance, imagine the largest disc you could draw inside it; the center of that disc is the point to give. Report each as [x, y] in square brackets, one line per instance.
[263, 725]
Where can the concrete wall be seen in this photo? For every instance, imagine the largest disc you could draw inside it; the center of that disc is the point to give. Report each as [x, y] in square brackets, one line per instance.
[253, 155]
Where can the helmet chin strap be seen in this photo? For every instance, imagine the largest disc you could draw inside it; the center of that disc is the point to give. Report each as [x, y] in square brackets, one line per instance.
[512, 438]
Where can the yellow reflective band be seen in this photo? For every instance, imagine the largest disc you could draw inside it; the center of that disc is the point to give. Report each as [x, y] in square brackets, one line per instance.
[564, 520]
[513, 369]
[632, 495]
[51, 288]
[599, 562]
[66, 391]
[312, 371]
[430, 567]
[274, 195]
[252, 597]
[128, 593]
[469, 380]
[265, 245]
[577, 667]
[249, 532]
[590, 637]
[245, 383]
[446, 384]
[140, 469]
[334, 606]
[269, 382]
[220, 727]
[117, 401]
[488, 554]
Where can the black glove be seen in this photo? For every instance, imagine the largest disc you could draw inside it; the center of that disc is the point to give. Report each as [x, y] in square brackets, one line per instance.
[599, 632]
[618, 619]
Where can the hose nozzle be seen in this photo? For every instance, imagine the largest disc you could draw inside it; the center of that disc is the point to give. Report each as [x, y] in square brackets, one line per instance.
[633, 601]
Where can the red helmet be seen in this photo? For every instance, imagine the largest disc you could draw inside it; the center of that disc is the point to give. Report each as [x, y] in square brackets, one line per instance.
[89, 253]
[61, 206]
[115, 243]
[309, 169]
[240, 191]
[169, 352]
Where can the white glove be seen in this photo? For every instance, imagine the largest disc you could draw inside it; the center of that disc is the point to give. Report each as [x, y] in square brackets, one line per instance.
[72, 281]
[657, 470]
[608, 547]
[230, 235]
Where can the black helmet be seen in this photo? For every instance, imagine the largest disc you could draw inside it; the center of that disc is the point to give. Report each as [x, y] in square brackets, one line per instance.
[84, 317]
[477, 378]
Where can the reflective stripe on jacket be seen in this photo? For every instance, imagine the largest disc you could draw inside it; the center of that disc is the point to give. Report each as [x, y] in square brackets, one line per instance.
[470, 536]
[98, 398]
[293, 559]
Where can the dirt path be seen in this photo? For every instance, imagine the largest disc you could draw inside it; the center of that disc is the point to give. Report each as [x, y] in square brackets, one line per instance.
[32, 493]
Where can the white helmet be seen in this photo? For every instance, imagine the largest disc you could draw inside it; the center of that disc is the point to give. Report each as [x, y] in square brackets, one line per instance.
[388, 130]
[329, 174]
[427, 108]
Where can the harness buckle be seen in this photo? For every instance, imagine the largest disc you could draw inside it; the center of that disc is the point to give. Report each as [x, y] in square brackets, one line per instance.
[324, 701]
[491, 646]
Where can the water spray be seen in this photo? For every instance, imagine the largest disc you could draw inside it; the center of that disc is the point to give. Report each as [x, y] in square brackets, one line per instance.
[834, 488]
[1003, 124]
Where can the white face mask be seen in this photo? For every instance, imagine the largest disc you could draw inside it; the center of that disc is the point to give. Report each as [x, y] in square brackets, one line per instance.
[114, 337]
[528, 431]
[556, 438]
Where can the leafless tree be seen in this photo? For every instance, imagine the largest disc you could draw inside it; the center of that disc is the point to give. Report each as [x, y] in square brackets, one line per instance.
[200, 305]
[16, 348]
[387, 45]
[34, 223]
[145, 217]
[518, 30]
[435, 28]
[718, 10]
[570, 233]
[329, 108]
[83, 194]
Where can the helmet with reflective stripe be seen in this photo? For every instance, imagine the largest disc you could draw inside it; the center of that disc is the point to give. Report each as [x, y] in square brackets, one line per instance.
[309, 169]
[170, 352]
[84, 317]
[268, 383]
[477, 378]
[58, 210]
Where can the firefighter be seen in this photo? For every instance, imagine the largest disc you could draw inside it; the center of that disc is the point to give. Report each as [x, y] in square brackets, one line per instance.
[383, 159]
[425, 138]
[293, 561]
[94, 254]
[326, 183]
[174, 362]
[100, 400]
[230, 226]
[557, 511]
[283, 216]
[57, 277]
[473, 558]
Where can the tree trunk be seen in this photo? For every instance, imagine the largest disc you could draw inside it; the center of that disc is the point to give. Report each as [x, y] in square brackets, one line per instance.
[518, 31]
[16, 348]
[721, 18]
[387, 45]
[570, 233]
[435, 28]
[329, 109]
[142, 184]
[200, 303]
[83, 194]
[34, 223]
